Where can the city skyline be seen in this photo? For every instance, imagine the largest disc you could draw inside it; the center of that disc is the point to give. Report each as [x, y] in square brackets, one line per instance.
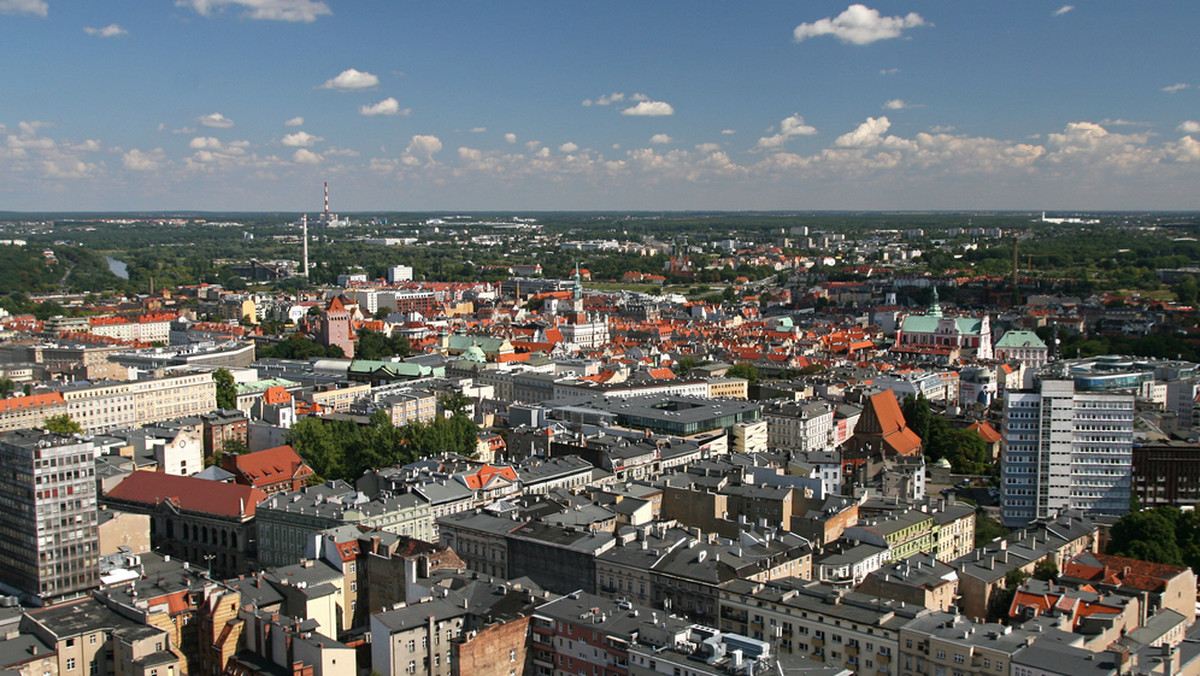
[252, 104]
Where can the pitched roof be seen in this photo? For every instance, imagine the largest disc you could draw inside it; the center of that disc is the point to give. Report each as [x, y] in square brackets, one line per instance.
[190, 494]
[986, 431]
[33, 401]
[269, 466]
[882, 418]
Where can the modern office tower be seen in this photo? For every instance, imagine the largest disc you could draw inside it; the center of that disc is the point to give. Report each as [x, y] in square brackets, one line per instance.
[1065, 449]
[49, 539]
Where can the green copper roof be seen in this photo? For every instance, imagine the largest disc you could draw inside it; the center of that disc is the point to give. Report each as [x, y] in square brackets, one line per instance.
[1021, 339]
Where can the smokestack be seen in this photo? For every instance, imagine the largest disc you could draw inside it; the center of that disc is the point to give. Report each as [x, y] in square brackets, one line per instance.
[326, 202]
[304, 225]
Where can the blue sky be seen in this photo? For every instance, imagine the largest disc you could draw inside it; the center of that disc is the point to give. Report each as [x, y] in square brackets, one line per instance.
[252, 104]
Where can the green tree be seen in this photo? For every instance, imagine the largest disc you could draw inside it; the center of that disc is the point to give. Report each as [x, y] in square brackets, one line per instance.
[917, 415]
[454, 403]
[1002, 599]
[987, 528]
[62, 424]
[743, 370]
[226, 389]
[316, 443]
[6, 387]
[1046, 570]
[1148, 535]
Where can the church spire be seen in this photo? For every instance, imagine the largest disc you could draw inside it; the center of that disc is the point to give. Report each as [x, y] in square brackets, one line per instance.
[935, 307]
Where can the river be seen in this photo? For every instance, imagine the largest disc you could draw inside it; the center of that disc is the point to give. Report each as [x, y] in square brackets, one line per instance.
[118, 268]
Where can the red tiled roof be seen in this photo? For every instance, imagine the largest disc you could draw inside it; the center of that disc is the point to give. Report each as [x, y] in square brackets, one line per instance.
[986, 431]
[276, 394]
[486, 474]
[269, 466]
[32, 401]
[1120, 571]
[188, 493]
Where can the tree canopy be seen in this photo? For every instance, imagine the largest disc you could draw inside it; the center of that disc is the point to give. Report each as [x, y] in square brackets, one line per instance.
[342, 449]
[226, 389]
[964, 449]
[62, 424]
[1160, 535]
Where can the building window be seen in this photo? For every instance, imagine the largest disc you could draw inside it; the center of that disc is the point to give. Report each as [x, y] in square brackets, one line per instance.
[412, 666]
[70, 664]
[512, 655]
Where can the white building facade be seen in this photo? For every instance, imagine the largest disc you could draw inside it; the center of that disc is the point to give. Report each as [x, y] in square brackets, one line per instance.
[1065, 449]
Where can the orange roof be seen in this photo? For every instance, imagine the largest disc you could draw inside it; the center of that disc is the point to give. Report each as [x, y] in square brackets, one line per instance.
[662, 373]
[986, 431]
[882, 417]
[1120, 571]
[276, 394]
[269, 466]
[188, 494]
[486, 474]
[33, 401]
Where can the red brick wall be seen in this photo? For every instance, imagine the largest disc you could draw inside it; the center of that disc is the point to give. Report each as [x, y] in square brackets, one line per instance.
[487, 653]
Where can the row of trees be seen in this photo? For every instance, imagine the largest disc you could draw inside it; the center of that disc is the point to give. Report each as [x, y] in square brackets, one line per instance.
[342, 449]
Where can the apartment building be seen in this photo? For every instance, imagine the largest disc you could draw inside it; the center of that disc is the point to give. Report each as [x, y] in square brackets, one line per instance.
[49, 535]
[1065, 449]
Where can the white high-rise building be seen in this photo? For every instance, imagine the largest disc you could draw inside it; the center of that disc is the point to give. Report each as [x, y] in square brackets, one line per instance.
[1065, 449]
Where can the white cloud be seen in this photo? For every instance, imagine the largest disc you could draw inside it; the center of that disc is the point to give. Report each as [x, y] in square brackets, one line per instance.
[136, 160]
[33, 127]
[1178, 86]
[112, 30]
[533, 145]
[1189, 127]
[792, 125]
[650, 109]
[305, 156]
[1186, 149]
[510, 137]
[544, 152]
[708, 147]
[67, 167]
[216, 120]
[351, 80]
[605, 100]
[859, 25]
[306, 11]
[421, 149]
[204, 143]
[88, 146]
[1118, 122]
[898, 104]
[889, 71]
[300, 139]
[388, 106]
[661, 138]
[941, 129]
[1063, 10]
[866, 135]
[294, 122]
[478, 130]
[31, 7]
[727, 132]
[568, 147]
[639, 97]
